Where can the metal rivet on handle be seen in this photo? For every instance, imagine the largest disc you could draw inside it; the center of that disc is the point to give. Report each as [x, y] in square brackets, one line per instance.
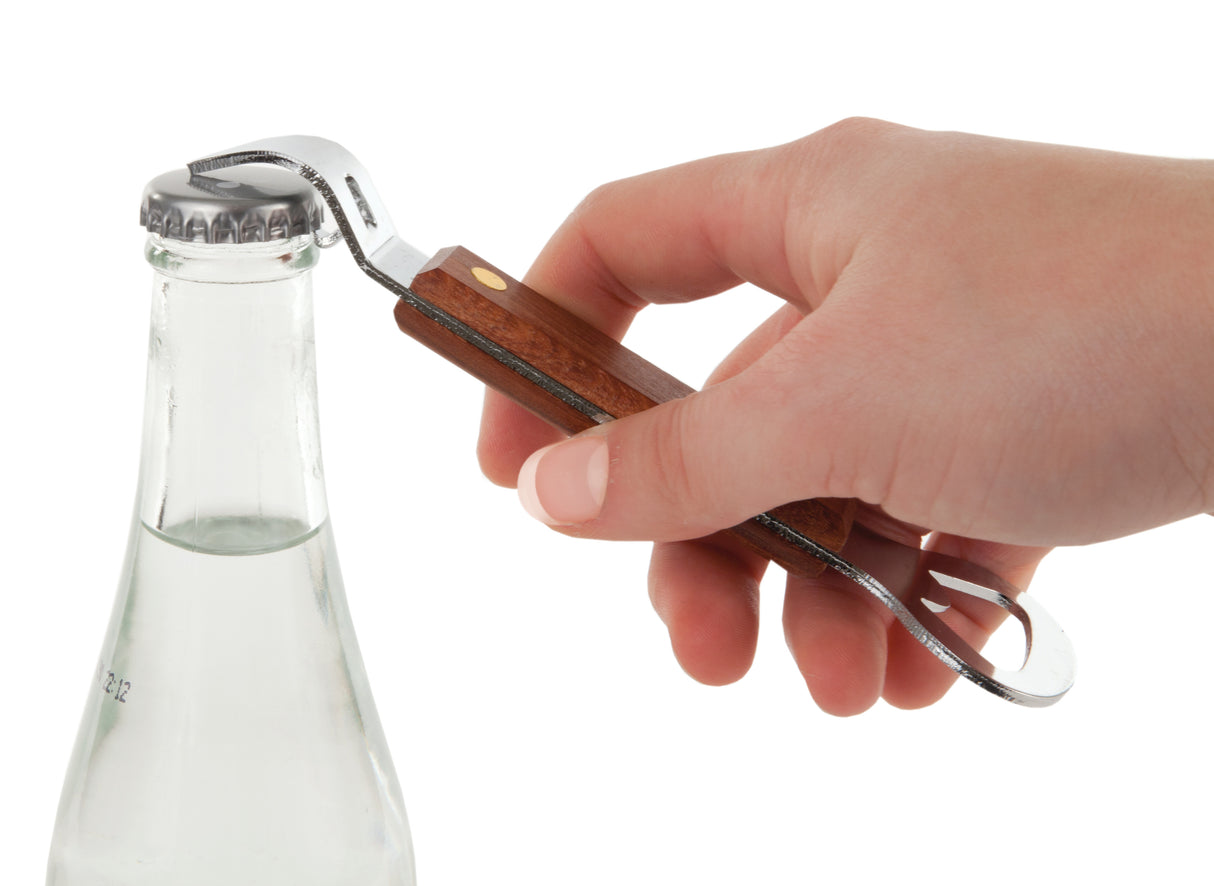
[490, 279]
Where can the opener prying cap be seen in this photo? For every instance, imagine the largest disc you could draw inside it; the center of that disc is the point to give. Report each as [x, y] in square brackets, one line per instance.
[251, 205]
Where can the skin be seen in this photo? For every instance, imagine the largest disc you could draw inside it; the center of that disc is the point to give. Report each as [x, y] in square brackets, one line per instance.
[1009, 344]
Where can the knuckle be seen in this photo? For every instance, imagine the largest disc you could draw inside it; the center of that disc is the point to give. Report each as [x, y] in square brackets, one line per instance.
[594, 200]
[852, 135]
[860, 130]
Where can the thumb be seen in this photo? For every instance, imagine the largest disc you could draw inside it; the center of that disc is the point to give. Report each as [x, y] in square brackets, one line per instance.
[687, 468]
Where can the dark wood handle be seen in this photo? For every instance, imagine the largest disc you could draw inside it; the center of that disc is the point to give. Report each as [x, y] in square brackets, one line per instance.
[587, 362]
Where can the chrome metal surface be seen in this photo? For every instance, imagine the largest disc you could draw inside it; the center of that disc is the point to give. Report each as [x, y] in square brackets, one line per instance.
[915, 585]
[345, 186]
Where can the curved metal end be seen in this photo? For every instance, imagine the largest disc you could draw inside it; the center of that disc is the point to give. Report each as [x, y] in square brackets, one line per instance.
[918, 587]
[344, 183]
[1048, 669]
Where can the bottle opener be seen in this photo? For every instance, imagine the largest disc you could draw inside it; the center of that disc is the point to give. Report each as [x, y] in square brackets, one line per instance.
[575, 377]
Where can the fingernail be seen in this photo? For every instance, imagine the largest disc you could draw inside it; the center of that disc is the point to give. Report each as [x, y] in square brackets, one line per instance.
[565, 484]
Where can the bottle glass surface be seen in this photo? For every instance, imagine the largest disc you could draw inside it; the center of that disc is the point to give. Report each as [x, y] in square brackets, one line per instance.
[229, 735]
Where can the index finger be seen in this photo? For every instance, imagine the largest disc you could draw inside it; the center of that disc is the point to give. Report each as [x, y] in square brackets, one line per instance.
[673, 235]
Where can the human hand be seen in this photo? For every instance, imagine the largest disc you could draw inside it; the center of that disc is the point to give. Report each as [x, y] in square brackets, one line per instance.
[1009, 343]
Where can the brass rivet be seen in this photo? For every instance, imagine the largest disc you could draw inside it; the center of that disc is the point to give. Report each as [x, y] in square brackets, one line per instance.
[490, 279]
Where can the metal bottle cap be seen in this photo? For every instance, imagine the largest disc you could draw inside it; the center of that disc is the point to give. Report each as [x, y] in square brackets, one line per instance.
[248, 205]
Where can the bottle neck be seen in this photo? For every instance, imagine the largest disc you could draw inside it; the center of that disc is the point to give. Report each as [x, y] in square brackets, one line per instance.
[231, 442]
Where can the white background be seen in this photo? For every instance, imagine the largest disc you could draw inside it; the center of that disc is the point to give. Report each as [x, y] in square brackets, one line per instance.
[542, 732]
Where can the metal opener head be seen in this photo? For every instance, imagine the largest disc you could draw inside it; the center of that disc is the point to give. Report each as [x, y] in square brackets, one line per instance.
[362, 218]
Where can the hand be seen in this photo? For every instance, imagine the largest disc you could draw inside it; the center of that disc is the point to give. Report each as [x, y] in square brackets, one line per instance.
[1009, 343]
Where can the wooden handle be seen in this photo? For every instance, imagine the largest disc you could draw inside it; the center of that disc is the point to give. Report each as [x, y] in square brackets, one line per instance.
[587, 362]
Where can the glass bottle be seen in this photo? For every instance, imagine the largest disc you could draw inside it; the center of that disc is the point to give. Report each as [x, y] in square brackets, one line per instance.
[229, 736]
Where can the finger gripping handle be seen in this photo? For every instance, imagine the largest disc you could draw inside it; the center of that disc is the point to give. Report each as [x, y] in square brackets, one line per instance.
[573, 376]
